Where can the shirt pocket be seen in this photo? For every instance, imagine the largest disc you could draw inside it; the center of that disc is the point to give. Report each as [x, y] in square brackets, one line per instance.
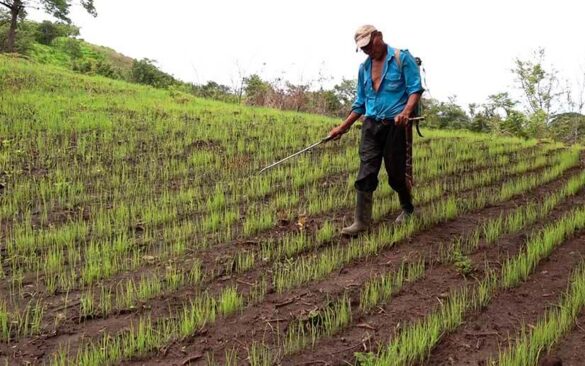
[392, 82]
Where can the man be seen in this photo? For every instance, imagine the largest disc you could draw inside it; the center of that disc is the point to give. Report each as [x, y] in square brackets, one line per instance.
[388, 91]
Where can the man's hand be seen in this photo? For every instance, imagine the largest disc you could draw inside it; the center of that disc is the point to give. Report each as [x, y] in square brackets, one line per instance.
[338, 131]
[401, 119]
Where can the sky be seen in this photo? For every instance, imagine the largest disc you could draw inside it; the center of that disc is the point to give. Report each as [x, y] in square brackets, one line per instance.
[468, 47]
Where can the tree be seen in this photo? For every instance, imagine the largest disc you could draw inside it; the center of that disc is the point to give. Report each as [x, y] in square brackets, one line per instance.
[540, 87]
[480, 121]
[296, 96]
[145, 72]
[214, 90]
[496, 115]
[445, 115]
[256, 90]
[503, 102]
[47, 31]
[514, 124]
[536, 125]
[57, 8]
[568, 127]
[26, 32]
[325, 102]
[346, 92]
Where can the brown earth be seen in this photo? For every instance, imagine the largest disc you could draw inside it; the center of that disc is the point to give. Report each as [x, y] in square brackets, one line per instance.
[570, 350]
[401, 309]
[257, 323]
[489, 330]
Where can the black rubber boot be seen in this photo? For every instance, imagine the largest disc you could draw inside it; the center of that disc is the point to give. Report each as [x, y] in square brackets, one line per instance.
[363, 215]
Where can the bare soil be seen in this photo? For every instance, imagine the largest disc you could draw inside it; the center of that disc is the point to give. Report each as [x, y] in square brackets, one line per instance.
[263, 322]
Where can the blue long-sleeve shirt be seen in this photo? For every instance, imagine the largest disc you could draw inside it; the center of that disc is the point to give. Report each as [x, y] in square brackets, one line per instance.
[394, 90]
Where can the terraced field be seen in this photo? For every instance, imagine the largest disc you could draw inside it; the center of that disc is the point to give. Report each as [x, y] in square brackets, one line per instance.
[135, 229]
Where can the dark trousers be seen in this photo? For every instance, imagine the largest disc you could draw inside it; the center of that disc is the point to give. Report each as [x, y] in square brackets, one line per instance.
[384, 141]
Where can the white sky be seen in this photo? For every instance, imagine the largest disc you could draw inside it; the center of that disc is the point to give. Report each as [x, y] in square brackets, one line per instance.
[467, 47]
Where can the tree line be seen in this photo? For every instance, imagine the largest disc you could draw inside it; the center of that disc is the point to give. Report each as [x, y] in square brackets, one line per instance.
[548, 107]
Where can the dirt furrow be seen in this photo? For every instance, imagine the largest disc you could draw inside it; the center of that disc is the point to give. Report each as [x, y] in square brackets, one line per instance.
[392, 315]
[570, 350]
[313, 296]
[489, 330]
[214, 259]
[297, 302]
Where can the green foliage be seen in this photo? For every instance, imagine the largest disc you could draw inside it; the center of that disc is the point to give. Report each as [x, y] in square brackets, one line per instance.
[82, 57]
[536, 124]
[480, 121]
[213, 90]
[497, 115]
[334, 102]
[502, 102]
[568, 127]
[176, 179]
[514, 124]
[256, 90]
[325, 102]
[345, 92]
[462, 263]
[145, 72]
[97, 67]
[445, 115]
[72, 47]
[47, 31]
[57, 8]
[25, 36]
[539, 85]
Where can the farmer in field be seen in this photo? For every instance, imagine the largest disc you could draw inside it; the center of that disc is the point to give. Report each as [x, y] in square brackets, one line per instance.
[388, 90]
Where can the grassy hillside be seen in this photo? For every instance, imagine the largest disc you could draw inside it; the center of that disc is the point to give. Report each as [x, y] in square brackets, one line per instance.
[135, 228]
[67, 52]
[57, 44]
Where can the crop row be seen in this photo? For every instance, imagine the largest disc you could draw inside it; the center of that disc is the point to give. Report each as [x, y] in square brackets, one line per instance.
[549, 177]
[413, 343]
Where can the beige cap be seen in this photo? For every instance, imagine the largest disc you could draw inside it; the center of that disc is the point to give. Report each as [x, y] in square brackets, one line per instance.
[363, 35]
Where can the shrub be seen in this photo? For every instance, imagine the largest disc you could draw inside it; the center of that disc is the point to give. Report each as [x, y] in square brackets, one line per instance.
[47, 31]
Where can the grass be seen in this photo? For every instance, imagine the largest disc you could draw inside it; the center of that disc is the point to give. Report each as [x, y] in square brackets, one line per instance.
[533, 343]
[414, 342]
[381, 289]
[117, 196]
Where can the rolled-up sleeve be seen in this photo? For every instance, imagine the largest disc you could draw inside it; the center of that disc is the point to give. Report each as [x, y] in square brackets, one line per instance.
[359, 106]
[411, 74]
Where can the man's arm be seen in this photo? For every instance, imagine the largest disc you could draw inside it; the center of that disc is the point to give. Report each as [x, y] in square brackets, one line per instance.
[414, 87]
[345, 125]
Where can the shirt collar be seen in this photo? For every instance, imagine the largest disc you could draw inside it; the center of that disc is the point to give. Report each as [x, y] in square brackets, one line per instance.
[389, 56]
